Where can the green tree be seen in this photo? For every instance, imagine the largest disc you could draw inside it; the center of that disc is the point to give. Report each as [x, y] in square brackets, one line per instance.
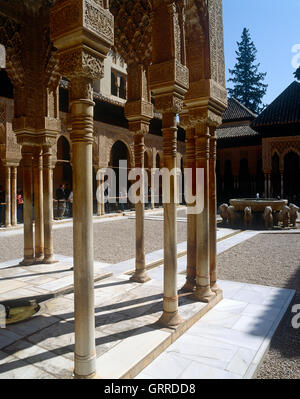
[248, 86]
[297, 73]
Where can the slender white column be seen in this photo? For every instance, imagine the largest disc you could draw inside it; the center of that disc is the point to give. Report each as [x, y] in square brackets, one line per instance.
[140, 274]
[82, 110]
[38, 204]
[8, 196]
[170, 316]
[203, 291]
[27, 207]
[213, 210]
[190, 283]
[48, 205]
[14, 196]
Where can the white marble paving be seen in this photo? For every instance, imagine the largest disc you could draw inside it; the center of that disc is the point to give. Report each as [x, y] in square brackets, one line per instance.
[230, 341]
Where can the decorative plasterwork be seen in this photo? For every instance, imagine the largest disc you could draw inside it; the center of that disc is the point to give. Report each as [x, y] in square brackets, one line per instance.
[133, 29]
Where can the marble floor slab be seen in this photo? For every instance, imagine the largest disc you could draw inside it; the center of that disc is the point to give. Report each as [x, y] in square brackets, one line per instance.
[230, 341]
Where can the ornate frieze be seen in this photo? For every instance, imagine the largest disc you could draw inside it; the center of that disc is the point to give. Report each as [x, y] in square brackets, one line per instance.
[81, 61]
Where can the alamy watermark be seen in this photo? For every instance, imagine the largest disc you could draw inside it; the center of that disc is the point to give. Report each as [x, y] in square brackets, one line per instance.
[296, 318]
[296, 57]
[2, 316]
[161, 184]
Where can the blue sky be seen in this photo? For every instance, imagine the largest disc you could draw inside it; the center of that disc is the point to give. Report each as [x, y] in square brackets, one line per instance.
[274, 27]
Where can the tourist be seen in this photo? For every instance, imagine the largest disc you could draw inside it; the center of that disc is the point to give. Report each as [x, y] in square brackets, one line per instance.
[60, 193]
[61, 204]
[67, 194]
[106, 197]
[70, 204]
[2, 206]
[20, 203]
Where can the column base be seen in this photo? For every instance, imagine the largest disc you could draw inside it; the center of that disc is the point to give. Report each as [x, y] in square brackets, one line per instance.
[214, 287]
[189, 285]
[140, 277]
[39, 259]
[49, 260]
[93, 376]
[204, 294]
[170, 319]
[27, 262]
[7, 226]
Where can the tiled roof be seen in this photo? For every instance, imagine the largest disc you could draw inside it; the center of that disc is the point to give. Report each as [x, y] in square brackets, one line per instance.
[284, 110]
[235, 132]
[237, 111]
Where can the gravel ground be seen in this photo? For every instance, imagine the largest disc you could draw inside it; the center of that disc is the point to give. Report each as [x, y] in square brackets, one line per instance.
[113, 241]
[267, 259]
[274, 260]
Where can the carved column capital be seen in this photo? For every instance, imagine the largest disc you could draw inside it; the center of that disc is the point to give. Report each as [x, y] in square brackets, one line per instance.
[81, 62]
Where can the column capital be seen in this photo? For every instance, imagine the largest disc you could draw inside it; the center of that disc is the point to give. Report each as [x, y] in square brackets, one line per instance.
[83, 33]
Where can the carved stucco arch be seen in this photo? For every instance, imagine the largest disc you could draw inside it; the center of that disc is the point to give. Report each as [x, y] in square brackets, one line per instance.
[286, 152]
[10, 38]
[128, 145]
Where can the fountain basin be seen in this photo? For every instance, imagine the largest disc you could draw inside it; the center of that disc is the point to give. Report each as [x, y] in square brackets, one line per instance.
[258, 205]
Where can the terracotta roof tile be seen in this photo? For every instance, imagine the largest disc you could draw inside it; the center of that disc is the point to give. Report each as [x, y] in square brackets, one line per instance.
[236, 132]
[237, 111]
[284, 110]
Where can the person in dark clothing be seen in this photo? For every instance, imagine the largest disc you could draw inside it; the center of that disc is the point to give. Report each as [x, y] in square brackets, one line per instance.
[20, 203]
[60, 193]
[2, 206]
[61, 201]
[67, 195]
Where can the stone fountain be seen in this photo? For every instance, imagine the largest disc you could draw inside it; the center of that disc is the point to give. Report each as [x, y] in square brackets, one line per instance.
[258, 212]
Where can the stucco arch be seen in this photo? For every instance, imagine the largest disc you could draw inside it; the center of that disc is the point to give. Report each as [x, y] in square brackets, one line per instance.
[129, 150]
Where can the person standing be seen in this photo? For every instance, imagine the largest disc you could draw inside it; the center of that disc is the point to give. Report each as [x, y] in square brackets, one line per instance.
[20, 203]
[61, 204]
[67, 194]
[70, 202]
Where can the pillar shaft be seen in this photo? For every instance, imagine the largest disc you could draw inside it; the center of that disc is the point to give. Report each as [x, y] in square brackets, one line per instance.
[203, 291]
[191, 217]
[170, 316]
[281, 184]
[140, 274]
[38, 204]
[27, 208]
[14, 196]
[213, 210]
[48, 205]
[82, 139]
[100, 196]
[8, 196]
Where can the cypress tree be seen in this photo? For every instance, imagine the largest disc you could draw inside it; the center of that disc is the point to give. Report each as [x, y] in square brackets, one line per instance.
[248, 86]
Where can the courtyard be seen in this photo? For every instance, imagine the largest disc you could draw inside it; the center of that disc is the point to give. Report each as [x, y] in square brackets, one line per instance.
[127, 312]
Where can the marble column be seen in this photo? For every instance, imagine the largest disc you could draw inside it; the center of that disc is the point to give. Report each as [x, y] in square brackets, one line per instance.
[82, 111]
[190, 283]
[266, 185]
[269, 186]
[100, 194]
[14, 221]
[38, 203]
[153, 188]
[48, 205]
[203, 291]
[140, 275]
[213, 210]
[27, 207]
[8, 196]
[170, 316]
[282, 184]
